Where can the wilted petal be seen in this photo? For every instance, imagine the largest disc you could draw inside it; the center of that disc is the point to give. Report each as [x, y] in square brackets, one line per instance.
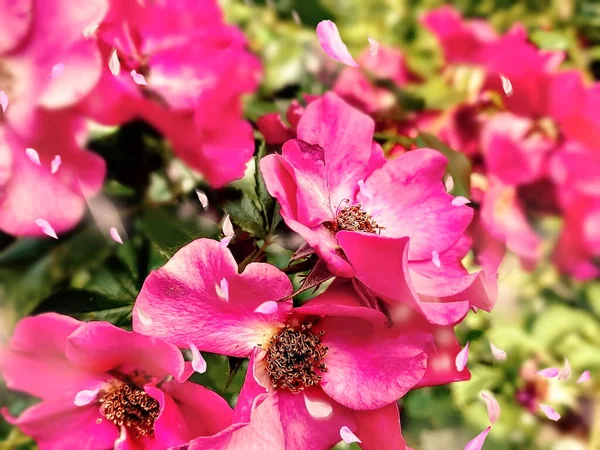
[477, 443]
[462, 358]
[493, 408]
[435, 259]
[33, 156]
[585, 376]
[373, 46]
[203, 198]
[85, 397]
[497, 353]
[550, 372]
[46, 228]
[550, 412]
[114, 234]
[55, 164]
[227, 226]
[348, 436]
[460, 201]
[506, 85]
[3, 100]
[198, 362]
[138, 78]
[114, 65]
[268, 307]
[331, 42]
[565, 372]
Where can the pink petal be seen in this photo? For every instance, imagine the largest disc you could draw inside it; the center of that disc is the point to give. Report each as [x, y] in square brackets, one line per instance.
[317, 407]
[497, 353]
[506, 85]
[585, 376]
[33, 156]
[198, 362]
[114, 234]
[138, 78]
[55, 164]
[114, 65]
[3, 100]
[227, 226]
[331, 42]
[203, 198]
[143, 317]
[348, 436]
[493, 408]
[550, 372]
[373, 46]
[90, 30]
[363, 189]
[223, 289]
[460, 201]
[550, 412]
[86, 397]
[225, 241]
[479, 440]
[57, 70]
[565, 372]
[462, 358]
[268, 307]
[46, 228]
[435, 259]
[449, 183]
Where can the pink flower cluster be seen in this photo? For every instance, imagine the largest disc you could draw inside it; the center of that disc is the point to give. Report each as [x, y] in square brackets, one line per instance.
[176, 65]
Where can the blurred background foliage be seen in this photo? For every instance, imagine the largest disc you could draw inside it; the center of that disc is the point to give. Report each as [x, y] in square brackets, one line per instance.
[540, 318]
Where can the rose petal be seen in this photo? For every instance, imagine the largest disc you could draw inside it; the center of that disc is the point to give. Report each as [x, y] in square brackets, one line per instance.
[114, 65]
[317, 407]
[225, 241]
[223, 289]
[449, 183]
[497, 353]
[203, 198]
[268, 307]
[435, 259]
[85, 397]
[198, 362]
[506, 85]
[550, 412]
[114, 234]
[565, 372]
[144, 318]
[227, 226]
[46, 228]
[460, 201]
[3, 100]
[462, 358]
[493, 407]
[373, 46]
[550, 372]
[348, 436]
[55, 164]
[585, 376]
[478, 441]
[138, 78]
[90, 30]
[331, 42]
[33, 156]
[57, 70]
[296, 17]
[364, 190]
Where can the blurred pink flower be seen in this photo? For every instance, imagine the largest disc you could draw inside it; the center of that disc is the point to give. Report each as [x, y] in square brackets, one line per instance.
[195, 67]
[300, 356]
[334, 186]
[104, 387]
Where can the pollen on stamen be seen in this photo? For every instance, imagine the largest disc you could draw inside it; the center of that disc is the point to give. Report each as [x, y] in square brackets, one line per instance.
[353, 218]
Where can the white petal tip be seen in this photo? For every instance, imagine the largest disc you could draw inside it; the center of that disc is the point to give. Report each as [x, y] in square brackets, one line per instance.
[33, 156]
[114, 65]
[143, 317]
[449, 183]
[268, 307]
[223, 289]
[85, 397]
[318, 408]
[506, 85]
[348, 436]
[114, 234]
[460, 201]
[46, 228]
[203, 198]
[198, 362]
[55, 164]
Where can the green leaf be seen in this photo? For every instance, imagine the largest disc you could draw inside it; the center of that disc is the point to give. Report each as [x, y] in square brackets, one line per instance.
[245, 214]
[169, 233]
[459, 165]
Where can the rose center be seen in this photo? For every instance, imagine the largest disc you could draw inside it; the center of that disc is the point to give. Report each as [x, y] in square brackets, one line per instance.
[129, 406]
[294, 359]
[353, 218]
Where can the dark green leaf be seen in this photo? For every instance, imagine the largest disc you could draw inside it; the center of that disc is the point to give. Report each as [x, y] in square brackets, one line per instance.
[245, 214]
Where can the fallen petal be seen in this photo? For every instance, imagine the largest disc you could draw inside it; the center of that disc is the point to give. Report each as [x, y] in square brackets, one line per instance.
[33, 156]
[435, 259]
[57, 70]
[223, 289]
[268, 307]
[317, 407]
[506, 85]
[550, 372]
[460, 201]
[114, 65]
[565, 372]
[449, 183]
[348, 436]
[296, 17]
[203, 198]
[225, 241]
[331, 42]
[497, 353]
[46, 228]
[138, 78]
[227, 226]
[363, 189]
[85, 397]
[373, 46]
[493, 407]
[55, 164]
[89, 31]
[477, 443]
[462, 358]
[3, 100]
[585, 376]
[114, 234]
[550, 412]
[198, 362]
